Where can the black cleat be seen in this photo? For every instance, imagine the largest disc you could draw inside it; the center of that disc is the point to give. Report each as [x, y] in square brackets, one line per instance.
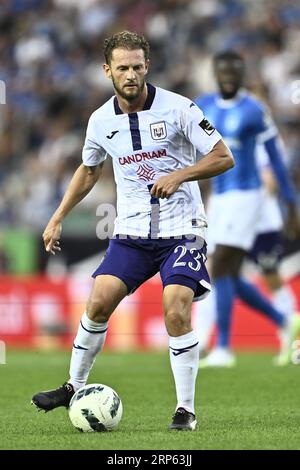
[51, 399]
[183, 420]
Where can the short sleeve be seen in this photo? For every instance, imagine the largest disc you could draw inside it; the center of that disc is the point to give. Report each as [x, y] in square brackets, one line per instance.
[265, 127]
[92, 153]
[198, 130]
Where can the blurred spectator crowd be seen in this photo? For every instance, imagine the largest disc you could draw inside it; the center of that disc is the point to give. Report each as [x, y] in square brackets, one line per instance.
[51, 56]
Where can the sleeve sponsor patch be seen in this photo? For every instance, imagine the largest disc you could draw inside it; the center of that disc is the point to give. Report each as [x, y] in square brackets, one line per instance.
[207, 126]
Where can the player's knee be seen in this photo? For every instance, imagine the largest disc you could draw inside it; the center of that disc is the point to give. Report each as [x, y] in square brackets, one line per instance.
[177, 321]
[98, 311]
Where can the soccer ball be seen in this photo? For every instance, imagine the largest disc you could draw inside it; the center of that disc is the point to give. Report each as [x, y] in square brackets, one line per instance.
[95, 407]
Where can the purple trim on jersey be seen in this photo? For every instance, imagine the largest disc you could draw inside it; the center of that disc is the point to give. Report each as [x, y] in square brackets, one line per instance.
[179, 261]
[150, 97]
[154, 216]
[118, 110]
[148, 102]
[267, 251]
[135, 131]
[154, 200]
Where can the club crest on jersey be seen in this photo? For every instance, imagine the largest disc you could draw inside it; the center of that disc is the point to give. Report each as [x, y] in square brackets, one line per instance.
[158, 130]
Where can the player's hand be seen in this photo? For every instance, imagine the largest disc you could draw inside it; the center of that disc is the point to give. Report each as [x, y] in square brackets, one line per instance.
[292, 228]
[165, 186]
[51, 236]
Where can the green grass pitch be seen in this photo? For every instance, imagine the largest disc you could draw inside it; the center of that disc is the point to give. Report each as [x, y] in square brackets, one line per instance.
[252, 406]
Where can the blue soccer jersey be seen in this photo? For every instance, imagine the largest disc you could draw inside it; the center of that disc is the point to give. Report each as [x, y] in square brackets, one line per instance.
[242, 122]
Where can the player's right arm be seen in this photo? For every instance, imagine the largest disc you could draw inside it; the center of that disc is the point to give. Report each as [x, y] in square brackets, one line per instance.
[83, 180]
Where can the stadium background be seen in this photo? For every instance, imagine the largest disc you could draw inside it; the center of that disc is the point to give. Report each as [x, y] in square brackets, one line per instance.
[51, 52]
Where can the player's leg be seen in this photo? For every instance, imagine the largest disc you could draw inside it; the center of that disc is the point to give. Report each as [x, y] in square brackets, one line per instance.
[283, 296]
[106, 294]
[184, 352]
[232, 218]
[228, 283]
[267, 254]
[226, 262]
[185, 279]
[284, 300]
[114, 280]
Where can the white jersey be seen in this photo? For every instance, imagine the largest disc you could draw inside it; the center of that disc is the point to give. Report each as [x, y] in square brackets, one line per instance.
[164, 137]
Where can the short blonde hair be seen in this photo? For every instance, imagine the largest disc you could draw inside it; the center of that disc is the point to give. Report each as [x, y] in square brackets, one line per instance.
[126, 40]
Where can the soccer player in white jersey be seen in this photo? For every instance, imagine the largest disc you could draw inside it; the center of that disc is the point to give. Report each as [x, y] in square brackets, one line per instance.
[152, 136]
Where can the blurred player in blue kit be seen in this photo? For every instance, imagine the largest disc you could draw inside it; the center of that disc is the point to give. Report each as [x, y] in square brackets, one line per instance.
[153, 137]
[243, 217]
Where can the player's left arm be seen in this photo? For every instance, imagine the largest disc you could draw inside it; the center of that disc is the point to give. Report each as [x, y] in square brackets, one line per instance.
[218, 160]
[285, 186]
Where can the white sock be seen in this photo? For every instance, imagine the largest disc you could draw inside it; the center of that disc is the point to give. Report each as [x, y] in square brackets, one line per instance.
[205, 319]
[88, 342]
[184, 357]
[284, 300]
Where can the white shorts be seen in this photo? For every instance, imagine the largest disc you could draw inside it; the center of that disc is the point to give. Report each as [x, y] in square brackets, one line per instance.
[270, 217]
[234, 218]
